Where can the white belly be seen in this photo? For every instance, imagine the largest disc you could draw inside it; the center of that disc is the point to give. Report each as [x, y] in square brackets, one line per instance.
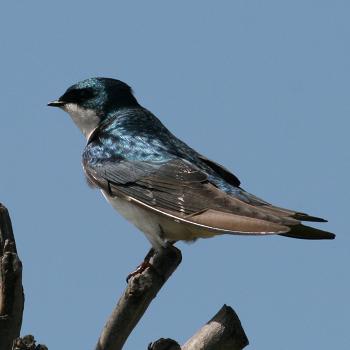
[142, 219]
[159, 229]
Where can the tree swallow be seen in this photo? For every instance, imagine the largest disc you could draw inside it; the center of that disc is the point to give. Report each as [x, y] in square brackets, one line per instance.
[159, 183]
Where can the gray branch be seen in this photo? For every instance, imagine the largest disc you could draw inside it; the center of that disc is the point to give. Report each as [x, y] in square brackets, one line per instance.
[164, 344]
[11, 290]
[27, 343]
[223, 332]
[141, 290]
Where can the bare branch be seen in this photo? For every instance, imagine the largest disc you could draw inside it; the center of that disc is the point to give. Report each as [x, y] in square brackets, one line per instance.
[164, 344]
[27, 343]
[141, 290]
[223, 332]
[11, 290]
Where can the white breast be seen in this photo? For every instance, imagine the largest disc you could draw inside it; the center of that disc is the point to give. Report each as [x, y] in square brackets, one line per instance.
[85, 119]
[142, 219]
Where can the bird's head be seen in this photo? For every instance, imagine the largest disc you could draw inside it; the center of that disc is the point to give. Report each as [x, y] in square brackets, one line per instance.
[90, 101]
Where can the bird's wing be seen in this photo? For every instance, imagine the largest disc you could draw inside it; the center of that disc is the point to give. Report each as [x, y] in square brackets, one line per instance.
[224, 173]
[231, 179]
[181, 191]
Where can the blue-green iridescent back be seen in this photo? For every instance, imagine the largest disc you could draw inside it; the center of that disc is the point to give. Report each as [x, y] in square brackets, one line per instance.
[135, 134]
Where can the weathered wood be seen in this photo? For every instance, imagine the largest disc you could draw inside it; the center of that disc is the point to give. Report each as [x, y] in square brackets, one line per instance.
[164, 344]
[141, 290]
[223, 332]
[27, 343]
[11, 290]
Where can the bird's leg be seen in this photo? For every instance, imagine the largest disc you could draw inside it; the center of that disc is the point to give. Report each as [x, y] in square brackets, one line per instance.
[143, 266]
[146, 262]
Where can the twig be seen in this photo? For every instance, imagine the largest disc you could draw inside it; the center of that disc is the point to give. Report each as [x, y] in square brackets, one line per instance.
[223, 332]
[11, 290]
[141, 290]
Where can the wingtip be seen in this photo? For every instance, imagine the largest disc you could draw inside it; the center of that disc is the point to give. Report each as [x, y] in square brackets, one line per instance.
[306, 217]
[316, 219]
[307, 232]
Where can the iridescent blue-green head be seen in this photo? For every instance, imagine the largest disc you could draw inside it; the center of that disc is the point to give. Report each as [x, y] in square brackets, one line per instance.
[90, 101]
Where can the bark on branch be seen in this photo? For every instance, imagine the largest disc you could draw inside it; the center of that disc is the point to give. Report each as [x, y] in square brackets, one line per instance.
[164, 344]
[223, 332]
[11, 290]
[27, 343]
[141, 290]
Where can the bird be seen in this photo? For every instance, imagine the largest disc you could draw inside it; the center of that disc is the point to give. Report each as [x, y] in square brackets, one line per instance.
[164, 187]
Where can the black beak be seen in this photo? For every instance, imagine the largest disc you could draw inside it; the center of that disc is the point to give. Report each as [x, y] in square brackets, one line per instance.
[56, 103]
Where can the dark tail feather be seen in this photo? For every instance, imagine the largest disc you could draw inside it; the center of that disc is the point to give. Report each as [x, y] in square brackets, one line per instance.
[306, 232]
[306, 217]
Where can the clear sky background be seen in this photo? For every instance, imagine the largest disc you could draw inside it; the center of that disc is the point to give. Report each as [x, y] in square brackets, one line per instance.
[260, 86]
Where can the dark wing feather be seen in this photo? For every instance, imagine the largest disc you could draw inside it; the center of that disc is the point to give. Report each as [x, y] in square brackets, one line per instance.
[233, 180]
[175, 186]
[221, 171]
[178, 188]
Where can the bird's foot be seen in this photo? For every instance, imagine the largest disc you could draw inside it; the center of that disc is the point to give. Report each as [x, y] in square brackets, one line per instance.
[143, 266]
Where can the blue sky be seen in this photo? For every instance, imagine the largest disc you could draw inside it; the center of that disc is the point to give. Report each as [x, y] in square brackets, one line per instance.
[260, 86]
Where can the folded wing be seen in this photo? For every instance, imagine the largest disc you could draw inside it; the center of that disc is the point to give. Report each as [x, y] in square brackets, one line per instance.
[180, 191]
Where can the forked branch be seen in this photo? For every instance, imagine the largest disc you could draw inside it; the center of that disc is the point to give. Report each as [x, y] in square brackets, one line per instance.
[223, 332]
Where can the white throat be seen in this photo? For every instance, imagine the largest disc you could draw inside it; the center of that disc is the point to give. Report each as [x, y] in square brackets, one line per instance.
[85, 119]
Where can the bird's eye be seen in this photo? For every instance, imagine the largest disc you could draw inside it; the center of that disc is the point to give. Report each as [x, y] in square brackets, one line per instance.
[77, 95]
[85, 93]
